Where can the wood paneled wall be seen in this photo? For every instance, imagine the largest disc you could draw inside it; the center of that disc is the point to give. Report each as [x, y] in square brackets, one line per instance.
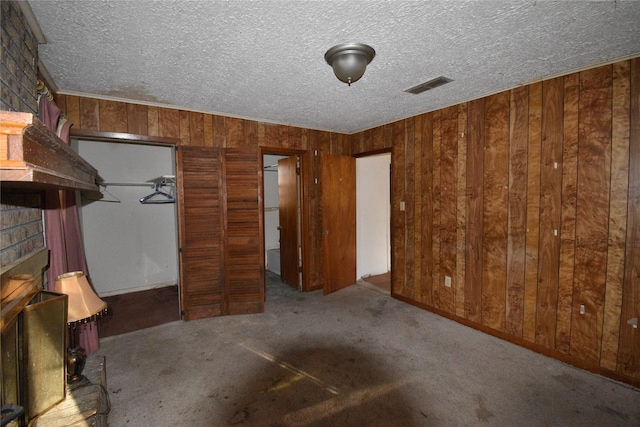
[529, 201]
[205, 130]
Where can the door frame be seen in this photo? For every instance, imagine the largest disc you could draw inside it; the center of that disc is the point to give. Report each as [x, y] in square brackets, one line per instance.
[158, 141]
[391, 195]
[305, 280]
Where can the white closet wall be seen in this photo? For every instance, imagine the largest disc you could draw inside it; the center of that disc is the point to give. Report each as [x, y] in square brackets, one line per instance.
[129, 246]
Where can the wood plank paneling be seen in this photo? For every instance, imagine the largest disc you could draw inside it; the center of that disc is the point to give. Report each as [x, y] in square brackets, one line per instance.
[72, 109]
[169, 123]
[435, 252]
[414, 134]
[629, 350]
[379, 141]
[234, 134]
[617, 215]
[475, 202]
[568, 227]
[461, 211]
[496, 199]
[571, 217]
[448, 207]
[517, 215]
[89, 114]
[185, 130]
[312, 273]
[153, 121]
[410, 217]
[251, 134]
[219, 132]
[397, 216]
[112, 116]
[137, 119]
[533, 212]
[594, 170]
[425, 136]
[207, 123]
[196, 129]
[550, 211]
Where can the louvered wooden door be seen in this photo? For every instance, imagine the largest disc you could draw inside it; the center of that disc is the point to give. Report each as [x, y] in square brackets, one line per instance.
[243, 247]
[201, 286]
[220, 263]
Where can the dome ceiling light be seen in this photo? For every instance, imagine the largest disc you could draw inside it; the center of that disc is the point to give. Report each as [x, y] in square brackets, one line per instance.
[349, 60]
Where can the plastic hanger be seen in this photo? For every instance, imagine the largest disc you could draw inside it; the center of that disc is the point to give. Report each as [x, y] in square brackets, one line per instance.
[157, 197]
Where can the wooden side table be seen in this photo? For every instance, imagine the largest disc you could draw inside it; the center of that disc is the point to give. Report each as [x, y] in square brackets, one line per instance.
[86, 403]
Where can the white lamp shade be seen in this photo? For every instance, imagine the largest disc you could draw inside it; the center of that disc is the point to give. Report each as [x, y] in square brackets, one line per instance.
[83, 301]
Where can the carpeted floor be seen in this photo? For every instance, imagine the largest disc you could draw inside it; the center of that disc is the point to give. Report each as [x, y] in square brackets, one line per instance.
[356, 357]
[140, 310]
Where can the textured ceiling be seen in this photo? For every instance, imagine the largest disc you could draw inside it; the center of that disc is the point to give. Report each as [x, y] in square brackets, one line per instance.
[264, 60]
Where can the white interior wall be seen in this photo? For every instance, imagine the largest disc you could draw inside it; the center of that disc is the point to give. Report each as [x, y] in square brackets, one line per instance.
[129, 246]
[373, 215]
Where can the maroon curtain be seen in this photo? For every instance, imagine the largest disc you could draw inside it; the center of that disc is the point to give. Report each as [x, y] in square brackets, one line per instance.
[62, 227]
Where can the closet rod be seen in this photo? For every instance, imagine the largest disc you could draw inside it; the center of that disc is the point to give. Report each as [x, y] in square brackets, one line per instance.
[127, 184]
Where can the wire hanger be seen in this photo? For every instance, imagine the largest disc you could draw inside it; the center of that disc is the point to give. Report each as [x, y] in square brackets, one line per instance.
[157, 197]
[91, 198]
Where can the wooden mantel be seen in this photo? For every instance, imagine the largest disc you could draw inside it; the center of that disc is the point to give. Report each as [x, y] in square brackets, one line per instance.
[34, 157]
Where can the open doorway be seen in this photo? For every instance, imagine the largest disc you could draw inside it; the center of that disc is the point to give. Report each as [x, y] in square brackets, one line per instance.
[373, 220]
[282, 218]
[131, 247]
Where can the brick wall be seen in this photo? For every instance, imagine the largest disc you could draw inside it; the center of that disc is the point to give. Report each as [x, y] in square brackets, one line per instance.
[20, 224]
[20, 211]
[18, 61]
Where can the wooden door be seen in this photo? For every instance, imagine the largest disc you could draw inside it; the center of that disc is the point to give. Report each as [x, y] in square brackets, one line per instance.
[201, 290]
[288, 213]
[243, 247]
[338, 207]
[221, 266]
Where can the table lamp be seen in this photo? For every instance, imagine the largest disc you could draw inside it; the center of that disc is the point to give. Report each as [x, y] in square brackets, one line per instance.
[83, 306]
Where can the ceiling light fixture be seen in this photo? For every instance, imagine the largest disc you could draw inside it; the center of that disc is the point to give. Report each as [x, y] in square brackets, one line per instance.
[349, 60]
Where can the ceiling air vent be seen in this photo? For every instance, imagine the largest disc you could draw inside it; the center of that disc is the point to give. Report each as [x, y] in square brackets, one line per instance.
[423, 87]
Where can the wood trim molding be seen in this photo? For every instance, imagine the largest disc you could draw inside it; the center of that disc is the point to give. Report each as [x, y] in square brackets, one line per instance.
[34, 157]
[122, 137]
[373, 152]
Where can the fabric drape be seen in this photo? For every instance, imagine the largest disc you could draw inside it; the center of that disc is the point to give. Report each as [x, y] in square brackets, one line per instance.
[62, 226]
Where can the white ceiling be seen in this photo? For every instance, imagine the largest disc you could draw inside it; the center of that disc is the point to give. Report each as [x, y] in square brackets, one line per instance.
[264, 60]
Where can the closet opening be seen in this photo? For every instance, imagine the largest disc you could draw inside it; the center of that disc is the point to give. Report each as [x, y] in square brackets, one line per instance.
[130, 233]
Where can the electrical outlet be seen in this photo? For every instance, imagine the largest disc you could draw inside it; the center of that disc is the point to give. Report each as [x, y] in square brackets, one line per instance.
[447, 281]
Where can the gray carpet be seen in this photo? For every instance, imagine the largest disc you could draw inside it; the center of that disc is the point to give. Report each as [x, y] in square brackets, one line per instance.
[353, 358]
